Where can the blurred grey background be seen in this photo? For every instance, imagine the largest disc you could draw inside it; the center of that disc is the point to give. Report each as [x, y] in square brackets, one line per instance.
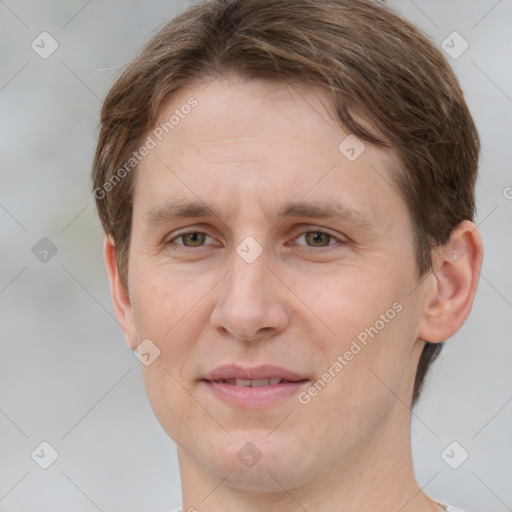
[68, 378]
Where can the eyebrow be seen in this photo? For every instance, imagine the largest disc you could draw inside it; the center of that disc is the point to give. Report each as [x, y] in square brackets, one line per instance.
[186, 209]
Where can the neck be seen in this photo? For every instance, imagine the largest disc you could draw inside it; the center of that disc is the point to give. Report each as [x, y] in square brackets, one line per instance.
[377, 474]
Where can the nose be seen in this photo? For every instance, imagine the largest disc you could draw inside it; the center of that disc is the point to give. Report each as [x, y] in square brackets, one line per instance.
[251, 302]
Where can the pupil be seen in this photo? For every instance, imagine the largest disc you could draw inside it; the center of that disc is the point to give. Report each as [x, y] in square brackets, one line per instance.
[315, 237]
[195, 238]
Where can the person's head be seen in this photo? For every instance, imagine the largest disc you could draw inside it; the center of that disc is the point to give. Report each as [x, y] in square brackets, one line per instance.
[261, 113]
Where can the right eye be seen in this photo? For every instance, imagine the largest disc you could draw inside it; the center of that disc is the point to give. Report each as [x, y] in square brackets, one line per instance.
[190, 239]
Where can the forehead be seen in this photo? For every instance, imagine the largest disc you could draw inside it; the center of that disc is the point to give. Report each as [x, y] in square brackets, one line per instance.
[231, 111]
[260, 141]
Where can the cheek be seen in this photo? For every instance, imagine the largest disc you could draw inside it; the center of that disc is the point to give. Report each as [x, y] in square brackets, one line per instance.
[367, 326]
[360, 384]
[373, 363]
[168, 309]
[351, 301]
[170, 401]
[163, 300]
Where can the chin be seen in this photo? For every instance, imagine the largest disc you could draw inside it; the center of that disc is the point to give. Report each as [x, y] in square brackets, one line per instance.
[255, 463]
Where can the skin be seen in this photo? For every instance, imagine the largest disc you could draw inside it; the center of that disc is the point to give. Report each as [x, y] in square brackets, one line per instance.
[246, 149]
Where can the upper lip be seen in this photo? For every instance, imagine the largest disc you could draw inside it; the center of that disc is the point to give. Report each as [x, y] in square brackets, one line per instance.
[233, 371]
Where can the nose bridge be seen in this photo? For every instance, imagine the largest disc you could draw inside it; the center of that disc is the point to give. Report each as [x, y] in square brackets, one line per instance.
[249, 305]
[249, 275]
[247, 284]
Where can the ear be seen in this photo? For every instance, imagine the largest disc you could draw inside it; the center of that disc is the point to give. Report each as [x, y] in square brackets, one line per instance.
[120, 294]
[449, 299]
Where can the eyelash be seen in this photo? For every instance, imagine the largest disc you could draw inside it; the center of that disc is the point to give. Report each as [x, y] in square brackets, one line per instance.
[303, 233]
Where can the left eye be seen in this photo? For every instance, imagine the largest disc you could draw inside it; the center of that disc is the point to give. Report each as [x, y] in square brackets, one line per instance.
[317, 238]
[192, 239]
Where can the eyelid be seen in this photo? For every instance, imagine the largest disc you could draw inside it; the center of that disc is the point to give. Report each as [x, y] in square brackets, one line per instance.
[186, 231]
[312, 229]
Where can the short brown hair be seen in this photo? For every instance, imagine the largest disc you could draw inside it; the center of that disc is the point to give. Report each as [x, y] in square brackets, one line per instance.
[371, 61]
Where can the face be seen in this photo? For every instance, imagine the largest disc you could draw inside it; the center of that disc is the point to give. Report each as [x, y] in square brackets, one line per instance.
[265, 243]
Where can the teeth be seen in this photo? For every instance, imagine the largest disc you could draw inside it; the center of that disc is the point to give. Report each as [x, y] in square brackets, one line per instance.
[259, 383]
[256, 383]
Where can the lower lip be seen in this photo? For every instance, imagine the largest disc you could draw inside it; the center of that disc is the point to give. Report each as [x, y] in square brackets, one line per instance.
[247, 397]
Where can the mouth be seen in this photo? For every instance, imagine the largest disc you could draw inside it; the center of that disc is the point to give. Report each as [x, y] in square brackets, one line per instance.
[253, 388]
[262, 375]
[256, 383]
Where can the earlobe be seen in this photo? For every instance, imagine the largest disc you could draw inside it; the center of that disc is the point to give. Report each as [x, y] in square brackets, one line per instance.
[457, 270]
[120, 293]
